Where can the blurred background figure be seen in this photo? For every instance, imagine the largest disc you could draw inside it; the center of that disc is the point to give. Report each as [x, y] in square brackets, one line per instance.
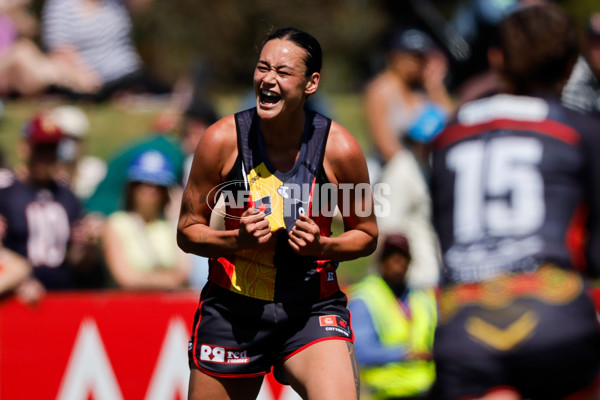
[582, 92]
[42, 218]
[24, 68]
[196, 119]
[408, 92]
[406, 177]
[198, 116]
[14, 268]
[394, 327]
[81, 172]
[108, 196]
[93, 39]
[139, 242]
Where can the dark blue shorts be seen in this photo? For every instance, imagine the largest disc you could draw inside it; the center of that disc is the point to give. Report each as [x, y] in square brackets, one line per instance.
[239, 336]
[536, 333]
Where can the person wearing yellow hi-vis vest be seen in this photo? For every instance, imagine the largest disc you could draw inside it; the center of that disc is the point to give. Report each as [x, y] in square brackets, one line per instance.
[394, 327]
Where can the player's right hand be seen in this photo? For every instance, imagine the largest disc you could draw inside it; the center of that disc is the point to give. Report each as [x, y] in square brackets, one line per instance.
[254, 229]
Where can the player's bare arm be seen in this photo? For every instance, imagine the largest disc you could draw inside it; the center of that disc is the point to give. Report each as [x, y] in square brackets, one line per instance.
[344, 163]
[214, 158]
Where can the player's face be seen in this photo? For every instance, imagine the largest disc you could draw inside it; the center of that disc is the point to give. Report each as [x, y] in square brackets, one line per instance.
[280, 81]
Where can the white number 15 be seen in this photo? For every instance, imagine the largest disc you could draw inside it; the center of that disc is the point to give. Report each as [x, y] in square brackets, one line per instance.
[498, 188]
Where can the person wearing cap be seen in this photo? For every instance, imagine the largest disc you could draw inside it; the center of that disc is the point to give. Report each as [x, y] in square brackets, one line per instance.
[411, 83]
[42, 218]
[139, 242]
[394, 326]
[82, 172]
[582, 91]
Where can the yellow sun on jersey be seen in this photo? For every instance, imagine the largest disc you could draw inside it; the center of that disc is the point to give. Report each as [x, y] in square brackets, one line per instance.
[264, 191]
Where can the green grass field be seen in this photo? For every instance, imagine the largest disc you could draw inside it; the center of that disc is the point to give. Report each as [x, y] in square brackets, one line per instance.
[114, 125]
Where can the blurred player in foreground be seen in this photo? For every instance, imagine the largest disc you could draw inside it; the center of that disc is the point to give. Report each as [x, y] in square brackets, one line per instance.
[515, 181]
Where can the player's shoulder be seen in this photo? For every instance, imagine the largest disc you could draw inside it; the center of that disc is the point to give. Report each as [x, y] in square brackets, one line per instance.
[341, 144]
[586, 125]
[516, 112]
[220, 138]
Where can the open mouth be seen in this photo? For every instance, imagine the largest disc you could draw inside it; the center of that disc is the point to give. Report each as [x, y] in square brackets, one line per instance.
[268, 97]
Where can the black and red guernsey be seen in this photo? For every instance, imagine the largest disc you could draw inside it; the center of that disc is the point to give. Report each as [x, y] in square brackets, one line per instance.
[516, 183]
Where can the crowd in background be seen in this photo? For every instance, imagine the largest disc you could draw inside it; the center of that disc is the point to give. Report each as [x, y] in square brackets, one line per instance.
[72, 221]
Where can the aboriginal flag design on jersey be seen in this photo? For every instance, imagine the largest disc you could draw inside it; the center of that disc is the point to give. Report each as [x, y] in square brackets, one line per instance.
[276, 272]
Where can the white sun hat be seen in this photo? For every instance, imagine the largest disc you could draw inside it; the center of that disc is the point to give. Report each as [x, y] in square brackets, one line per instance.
[71, 120]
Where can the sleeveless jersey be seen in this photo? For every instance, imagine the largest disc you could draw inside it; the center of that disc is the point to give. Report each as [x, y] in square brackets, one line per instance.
[514, 184]
[275, 272]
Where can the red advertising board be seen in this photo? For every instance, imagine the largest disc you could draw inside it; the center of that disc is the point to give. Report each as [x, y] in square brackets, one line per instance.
[101, 345]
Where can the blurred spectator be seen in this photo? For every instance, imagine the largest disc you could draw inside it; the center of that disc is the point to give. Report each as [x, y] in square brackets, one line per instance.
[410, 88]
[80, 171]
[406, 177]
[93, 37]
[24, 68]
[196, 119]
[42, 218]
[14, 268]
[140, 247]
[394, 327]
[108, 196]
[582, 92]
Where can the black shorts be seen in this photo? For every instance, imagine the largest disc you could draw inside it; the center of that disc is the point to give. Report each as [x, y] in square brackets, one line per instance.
[536, 333]
[239, 336]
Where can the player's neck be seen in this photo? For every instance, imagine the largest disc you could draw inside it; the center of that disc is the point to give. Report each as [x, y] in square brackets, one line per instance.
[283, 134]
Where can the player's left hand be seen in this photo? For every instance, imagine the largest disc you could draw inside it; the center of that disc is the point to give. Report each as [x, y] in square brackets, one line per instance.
[305, 237]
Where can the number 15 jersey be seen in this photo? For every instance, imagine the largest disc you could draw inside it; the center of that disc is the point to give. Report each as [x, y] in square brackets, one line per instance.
[515, 182]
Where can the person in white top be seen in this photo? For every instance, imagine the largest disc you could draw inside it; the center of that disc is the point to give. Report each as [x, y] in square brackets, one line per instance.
[405, 177]
[82, 172]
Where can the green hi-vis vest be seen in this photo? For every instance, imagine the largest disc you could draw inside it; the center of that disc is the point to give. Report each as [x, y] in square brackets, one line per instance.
[394, 328]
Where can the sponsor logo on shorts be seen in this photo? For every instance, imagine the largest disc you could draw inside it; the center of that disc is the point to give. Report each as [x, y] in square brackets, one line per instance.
[334, 323]
[328, 320]
[223, 355]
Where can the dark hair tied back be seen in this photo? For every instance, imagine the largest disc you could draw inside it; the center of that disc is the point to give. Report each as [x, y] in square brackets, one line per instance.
[314, 55]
